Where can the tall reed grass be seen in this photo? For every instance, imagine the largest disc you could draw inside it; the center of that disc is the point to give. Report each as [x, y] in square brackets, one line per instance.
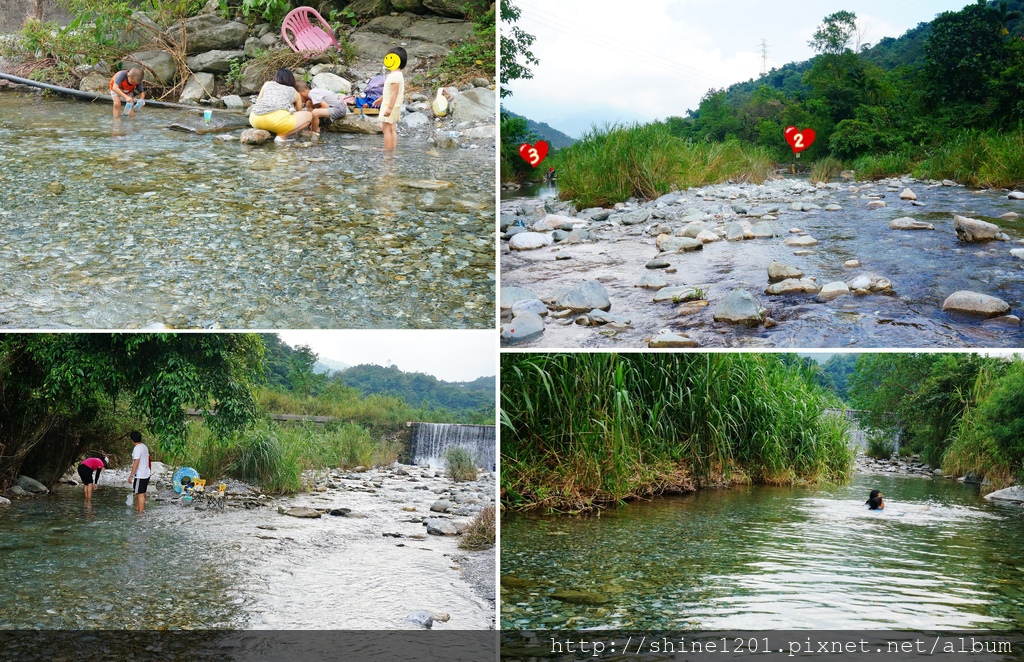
[825, 170]
[612, 164]
[880, 166]
[274, 456]
[586, 429]
[978, 158]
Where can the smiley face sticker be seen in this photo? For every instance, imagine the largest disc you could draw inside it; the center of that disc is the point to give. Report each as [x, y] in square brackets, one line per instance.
[392, 61]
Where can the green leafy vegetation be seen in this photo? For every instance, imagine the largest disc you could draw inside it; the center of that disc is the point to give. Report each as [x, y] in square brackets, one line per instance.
[514, 132]
[963, 412]
[582, 430]
[942, 101]
[474, 57]
[615, 163]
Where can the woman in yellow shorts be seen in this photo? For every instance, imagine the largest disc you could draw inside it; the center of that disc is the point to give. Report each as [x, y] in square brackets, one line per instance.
[278, 108]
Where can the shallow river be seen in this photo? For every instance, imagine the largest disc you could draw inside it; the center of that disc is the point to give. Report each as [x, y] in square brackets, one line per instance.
[66, 565]
[126, 224]
[938, 556]
[925, 267]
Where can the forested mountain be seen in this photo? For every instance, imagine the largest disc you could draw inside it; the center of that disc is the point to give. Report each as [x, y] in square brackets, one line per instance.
[555, 138]
[420, 389]
[905, 99]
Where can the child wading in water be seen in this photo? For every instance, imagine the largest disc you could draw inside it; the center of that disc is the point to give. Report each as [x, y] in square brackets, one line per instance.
[125, 85]
[394, 95]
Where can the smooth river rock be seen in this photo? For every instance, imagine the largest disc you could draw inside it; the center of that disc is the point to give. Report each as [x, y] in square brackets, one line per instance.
[908, 195]
[676, 294]
[535, 306]
[777, 271]
[738, 307]
[512, 295]
[907, 223]
[972, 230]
[583, 298]
[1016, 195]
[793, 286]
[666, 339]
[31, 485]
[833, 290]
[523, 326]
[669, 244]
[805, 240]
[975, 303]
[1013, 494]
[656, 282]
[529, 241]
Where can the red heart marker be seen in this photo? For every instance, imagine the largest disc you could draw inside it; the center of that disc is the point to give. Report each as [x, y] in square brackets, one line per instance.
[799, 140]
[534, 154]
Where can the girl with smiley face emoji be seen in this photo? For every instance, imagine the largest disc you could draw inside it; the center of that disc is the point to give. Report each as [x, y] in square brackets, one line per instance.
[394, 95]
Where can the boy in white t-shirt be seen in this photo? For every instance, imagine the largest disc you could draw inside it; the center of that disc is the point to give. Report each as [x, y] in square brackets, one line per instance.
[394, 95]
[140, 473]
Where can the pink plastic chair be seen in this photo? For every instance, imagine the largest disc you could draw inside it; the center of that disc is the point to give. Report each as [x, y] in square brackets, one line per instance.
[300, 33]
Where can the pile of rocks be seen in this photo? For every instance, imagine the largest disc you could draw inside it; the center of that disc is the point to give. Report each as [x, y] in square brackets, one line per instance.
[220, 70]
[686, 222]
[24, 487]
[907, 466]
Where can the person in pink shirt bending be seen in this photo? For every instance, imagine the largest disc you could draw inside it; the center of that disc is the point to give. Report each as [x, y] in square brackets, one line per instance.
[89, 471]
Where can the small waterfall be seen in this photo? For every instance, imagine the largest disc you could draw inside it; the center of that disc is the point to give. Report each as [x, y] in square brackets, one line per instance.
[432, 440]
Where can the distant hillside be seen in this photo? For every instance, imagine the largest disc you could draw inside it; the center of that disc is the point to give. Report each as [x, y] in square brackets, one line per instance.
[421, 389]
[326, 366]
[555, 138]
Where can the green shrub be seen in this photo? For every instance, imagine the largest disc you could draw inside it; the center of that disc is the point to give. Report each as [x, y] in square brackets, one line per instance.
[893, 164]
[880, 446]
[481, 531]
[460, 465]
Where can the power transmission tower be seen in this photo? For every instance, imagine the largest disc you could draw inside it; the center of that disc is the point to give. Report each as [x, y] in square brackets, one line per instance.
[764, 57]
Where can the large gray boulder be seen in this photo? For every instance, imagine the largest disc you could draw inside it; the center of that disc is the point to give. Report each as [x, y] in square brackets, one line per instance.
[441, 527]
[972, 230]
[439, 30]
[364, 9]
[777, 271]
[31, 485]
[355, 124]
[974, 303]
[1013, 494]
[251, 81]
[199, 86]
[583, 298]
[524, 325]
[529, 241]
[332, 82]
[446, 7]
[217, 62]
[413, 6]
[907, 223]
[96, 83]
[209, 32]
[159, 66]
[738, 307]
[476, 105]
[793, 286]
[513, 295]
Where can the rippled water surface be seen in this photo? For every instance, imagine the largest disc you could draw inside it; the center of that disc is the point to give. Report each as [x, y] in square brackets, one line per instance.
[126, 224]
[68, 565]
[757, 557]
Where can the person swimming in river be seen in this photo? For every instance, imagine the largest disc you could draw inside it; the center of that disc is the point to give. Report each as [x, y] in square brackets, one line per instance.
[875, 501]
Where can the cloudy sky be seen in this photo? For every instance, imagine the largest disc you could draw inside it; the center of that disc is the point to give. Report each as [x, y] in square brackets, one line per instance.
[611, 61]
[452, 356]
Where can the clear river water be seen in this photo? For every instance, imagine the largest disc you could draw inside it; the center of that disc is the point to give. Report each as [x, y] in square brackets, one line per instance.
[68, 565]
[938, 556]
[126, 224]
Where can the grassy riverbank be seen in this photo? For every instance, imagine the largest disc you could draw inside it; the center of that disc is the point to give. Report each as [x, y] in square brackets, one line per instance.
[582, 430]
[614, 163]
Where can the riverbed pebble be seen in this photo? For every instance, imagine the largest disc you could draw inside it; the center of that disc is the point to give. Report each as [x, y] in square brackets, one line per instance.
[975, 303]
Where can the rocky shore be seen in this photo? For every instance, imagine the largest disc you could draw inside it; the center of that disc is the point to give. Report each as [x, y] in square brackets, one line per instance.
[212, 61]
[583, 275]
[343, 529]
